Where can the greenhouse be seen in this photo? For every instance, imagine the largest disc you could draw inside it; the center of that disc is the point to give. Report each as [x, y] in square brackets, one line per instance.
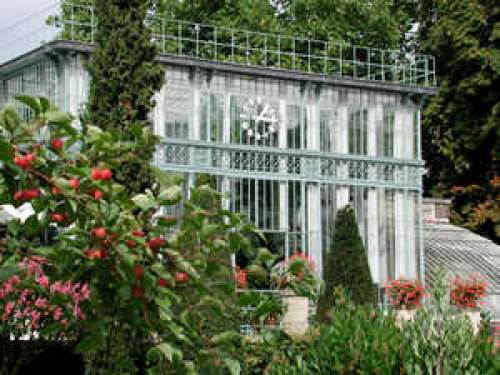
[290, 129]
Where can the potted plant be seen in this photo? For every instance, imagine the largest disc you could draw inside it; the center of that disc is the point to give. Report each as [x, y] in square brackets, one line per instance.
[465, 295]
[405, 296]
[260, 309]
[297, 280]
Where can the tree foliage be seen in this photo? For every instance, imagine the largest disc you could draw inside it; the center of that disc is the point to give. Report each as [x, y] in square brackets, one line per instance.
[462, 123]
[347, 264]
[124, 78]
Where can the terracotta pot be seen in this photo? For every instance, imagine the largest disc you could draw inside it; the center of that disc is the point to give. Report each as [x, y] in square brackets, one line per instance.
[296, 317]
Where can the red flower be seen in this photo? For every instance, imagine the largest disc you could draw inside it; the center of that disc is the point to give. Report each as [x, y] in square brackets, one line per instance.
[163, 283]
[55, 190]
[241, 278]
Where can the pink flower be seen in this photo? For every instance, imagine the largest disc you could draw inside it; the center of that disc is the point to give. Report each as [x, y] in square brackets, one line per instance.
[35, 316]
[43, 281]
[57, 287]
[7, 287]
[85, 291]
[8, 310]
[15, 280]
[57, 314]
[41, 303]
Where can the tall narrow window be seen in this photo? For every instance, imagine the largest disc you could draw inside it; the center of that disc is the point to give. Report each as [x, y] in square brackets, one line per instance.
[358, 132]
[388, 133]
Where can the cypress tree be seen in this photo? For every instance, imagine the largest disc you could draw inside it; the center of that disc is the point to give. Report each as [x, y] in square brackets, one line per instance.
[124, 78]
[346, 265]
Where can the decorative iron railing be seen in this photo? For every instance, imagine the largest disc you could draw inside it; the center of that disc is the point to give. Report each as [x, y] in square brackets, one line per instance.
[288, 165]
[195, 40]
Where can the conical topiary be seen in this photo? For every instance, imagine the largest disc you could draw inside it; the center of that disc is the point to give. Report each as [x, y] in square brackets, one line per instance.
[346, 265]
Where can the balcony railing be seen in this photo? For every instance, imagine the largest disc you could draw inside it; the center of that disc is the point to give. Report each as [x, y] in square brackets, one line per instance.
[221, 44]
[279, 164]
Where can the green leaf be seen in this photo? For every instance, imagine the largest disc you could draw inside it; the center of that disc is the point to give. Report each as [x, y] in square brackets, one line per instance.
[233, 366]
[226, 337]
[31, 102]
[169, 351]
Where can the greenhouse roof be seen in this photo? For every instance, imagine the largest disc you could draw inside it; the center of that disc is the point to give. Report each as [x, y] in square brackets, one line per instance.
[231, 47]
[461, 252]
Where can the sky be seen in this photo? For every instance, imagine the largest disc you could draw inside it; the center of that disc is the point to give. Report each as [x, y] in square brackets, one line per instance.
[22, 25]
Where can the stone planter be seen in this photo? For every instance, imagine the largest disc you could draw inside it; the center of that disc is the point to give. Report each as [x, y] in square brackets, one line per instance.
[295, 320]
[475, 319]
[404, 315]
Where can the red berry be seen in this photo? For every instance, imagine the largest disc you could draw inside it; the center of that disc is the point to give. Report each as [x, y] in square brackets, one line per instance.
[138, 233]
[157, 242]
[22, 162]
[18, 195]
[131, 243]
[95, 254]
[163, 282]
[181, 277]
[138, 272]
[100, 232]
[55, 190]
[31, 194]
[98, 195]
[96, 174]
[57, 217]
[74, 183]
[138, 292]
[57, 144]
[30, 157]
[106, 174]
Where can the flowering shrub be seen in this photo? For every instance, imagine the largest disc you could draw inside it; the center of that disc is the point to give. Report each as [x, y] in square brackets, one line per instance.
[148, 272]
[297, 274]
[404, 293]
[31, 305]
[466, 293]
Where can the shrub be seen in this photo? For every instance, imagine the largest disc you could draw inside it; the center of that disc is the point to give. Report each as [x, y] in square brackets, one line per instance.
[167, 296]
[346, 265]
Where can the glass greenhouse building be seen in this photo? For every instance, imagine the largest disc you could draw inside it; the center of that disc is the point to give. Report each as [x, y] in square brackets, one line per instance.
[291, 129]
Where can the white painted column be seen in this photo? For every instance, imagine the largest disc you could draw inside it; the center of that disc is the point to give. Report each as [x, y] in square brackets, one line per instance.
[283, 185]
[195, 128]
[226, 138]
[375, 118]
[342, 136]
[313, 193]
[401, 199]
[411, 265]
[159, 120]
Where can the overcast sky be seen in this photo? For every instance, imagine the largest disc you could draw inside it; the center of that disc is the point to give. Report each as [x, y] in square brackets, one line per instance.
[21, 25]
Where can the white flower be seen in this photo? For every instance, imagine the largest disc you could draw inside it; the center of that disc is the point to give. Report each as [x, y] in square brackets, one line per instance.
[8, 212]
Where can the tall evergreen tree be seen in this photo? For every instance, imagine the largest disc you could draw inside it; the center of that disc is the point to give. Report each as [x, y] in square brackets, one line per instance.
[124, 78]
[122, 67]
[347, 264]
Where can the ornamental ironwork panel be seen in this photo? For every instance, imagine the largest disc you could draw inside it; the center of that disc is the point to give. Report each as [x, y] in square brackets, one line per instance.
[289, 165]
